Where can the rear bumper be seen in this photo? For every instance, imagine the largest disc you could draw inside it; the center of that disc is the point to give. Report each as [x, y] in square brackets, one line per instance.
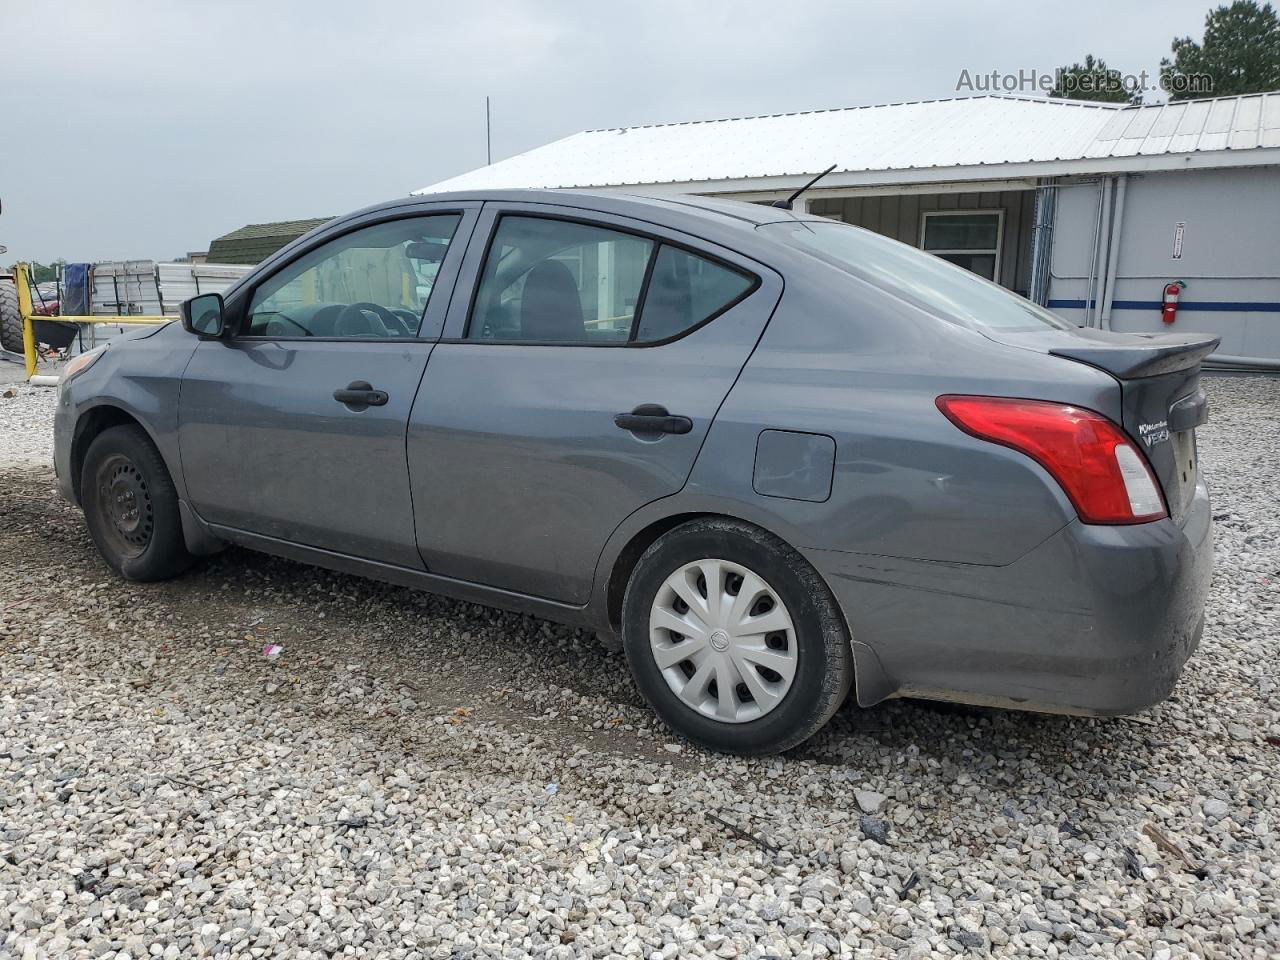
[1096, 620]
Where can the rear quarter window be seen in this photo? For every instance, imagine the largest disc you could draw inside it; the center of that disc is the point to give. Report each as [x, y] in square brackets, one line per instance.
[686, 290]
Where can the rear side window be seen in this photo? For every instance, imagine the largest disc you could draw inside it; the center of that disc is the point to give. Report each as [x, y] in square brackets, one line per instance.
[559, 281]
[555, 281]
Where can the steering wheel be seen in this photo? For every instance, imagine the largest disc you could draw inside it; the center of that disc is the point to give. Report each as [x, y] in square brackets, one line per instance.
[279, 320]
[411, 320]
[392, 325]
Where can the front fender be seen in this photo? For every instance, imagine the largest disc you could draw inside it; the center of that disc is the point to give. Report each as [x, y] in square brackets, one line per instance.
[139, 378]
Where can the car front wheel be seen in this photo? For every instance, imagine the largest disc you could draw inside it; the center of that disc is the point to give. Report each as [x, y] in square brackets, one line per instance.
[131, 506]
[734, 639]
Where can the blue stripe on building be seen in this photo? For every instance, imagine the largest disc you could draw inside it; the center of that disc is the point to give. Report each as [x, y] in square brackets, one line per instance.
[1213, 306]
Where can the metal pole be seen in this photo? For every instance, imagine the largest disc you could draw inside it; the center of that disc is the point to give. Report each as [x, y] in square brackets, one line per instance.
[488, 141]
[1095, 255]
[155, 276]
[1042, 241]
[22, 281]
[1104, 239]
[1113, 255]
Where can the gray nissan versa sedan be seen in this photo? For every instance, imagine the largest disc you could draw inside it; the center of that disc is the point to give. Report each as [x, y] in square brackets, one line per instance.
[780, 457]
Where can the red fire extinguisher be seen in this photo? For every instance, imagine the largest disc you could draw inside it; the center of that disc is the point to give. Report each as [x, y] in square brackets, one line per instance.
[1169, 308]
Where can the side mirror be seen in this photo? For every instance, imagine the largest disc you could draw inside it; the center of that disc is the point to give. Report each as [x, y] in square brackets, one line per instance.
[202, 315]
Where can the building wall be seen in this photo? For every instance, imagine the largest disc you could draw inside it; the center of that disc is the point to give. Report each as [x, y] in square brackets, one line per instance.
[900, 216]
[1230, 255]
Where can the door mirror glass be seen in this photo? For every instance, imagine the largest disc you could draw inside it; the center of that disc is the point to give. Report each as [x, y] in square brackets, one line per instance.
[203, 315]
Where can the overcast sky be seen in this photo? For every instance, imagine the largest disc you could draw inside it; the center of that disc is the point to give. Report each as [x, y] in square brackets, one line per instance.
[146, 129]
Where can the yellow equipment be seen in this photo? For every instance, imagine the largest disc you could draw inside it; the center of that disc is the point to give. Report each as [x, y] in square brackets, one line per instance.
[22, 281]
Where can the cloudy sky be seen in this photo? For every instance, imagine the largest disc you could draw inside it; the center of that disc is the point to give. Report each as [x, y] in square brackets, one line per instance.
[145, 129]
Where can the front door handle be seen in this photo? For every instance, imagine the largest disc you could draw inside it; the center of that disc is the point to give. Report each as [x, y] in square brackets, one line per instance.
[358, 393]
[652, 418]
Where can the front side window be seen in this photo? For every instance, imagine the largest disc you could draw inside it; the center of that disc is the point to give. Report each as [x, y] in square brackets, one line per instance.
[969, 240]
[558, 281]
[371, 283]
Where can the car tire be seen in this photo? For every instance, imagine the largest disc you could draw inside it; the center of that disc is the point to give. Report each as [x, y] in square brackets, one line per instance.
[788, 620]
[131, 506]
[10, 318]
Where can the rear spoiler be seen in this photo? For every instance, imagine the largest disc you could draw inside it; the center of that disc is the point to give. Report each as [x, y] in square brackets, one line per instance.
[1129, 356]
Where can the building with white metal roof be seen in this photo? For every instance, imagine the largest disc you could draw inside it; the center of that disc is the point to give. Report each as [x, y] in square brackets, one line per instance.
[1090, 208]
[959, 139]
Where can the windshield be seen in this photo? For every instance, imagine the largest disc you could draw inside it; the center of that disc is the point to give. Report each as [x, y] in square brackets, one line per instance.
[916, 276]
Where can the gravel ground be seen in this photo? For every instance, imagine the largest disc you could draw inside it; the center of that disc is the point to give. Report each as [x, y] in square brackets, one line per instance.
[26, 427]
[415, 777]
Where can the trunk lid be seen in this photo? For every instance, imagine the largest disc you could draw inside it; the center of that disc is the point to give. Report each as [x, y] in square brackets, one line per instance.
[1161, 399]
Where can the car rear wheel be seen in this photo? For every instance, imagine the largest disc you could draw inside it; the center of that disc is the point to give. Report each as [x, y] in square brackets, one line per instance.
[131, 506]
[734, 639]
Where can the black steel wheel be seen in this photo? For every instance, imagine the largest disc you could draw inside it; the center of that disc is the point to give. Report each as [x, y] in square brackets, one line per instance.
[131, 506]
[123, 498]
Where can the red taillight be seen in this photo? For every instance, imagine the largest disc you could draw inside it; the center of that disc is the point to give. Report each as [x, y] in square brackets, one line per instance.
[1104, 474]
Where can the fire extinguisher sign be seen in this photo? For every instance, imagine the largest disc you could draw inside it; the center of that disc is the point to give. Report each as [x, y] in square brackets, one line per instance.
[1179, 229]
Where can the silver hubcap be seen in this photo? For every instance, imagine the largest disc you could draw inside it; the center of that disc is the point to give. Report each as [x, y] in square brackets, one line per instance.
[723, 640]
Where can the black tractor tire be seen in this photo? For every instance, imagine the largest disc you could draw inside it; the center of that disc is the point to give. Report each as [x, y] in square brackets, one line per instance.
[10, 318]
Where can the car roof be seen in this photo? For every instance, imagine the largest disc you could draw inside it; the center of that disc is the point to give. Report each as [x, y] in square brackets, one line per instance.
[723, 212]
[731, 224]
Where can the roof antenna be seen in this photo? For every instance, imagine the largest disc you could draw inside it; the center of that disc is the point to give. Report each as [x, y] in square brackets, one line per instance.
[786, 204]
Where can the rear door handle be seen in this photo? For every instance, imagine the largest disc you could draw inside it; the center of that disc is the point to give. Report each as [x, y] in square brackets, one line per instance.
[358, 393]
[652, 418]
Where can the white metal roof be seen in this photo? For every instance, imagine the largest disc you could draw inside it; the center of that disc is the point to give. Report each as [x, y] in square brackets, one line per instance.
[1191, 126]
[992, 136]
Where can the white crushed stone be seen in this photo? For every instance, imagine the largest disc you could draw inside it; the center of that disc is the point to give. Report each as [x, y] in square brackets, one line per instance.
[26, 422]
[414, 778]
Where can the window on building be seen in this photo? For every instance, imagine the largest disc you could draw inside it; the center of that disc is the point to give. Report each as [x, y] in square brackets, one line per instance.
[967, 238]
[370, 283]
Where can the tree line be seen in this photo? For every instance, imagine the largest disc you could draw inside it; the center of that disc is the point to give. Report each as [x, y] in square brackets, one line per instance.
[1240, 54]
